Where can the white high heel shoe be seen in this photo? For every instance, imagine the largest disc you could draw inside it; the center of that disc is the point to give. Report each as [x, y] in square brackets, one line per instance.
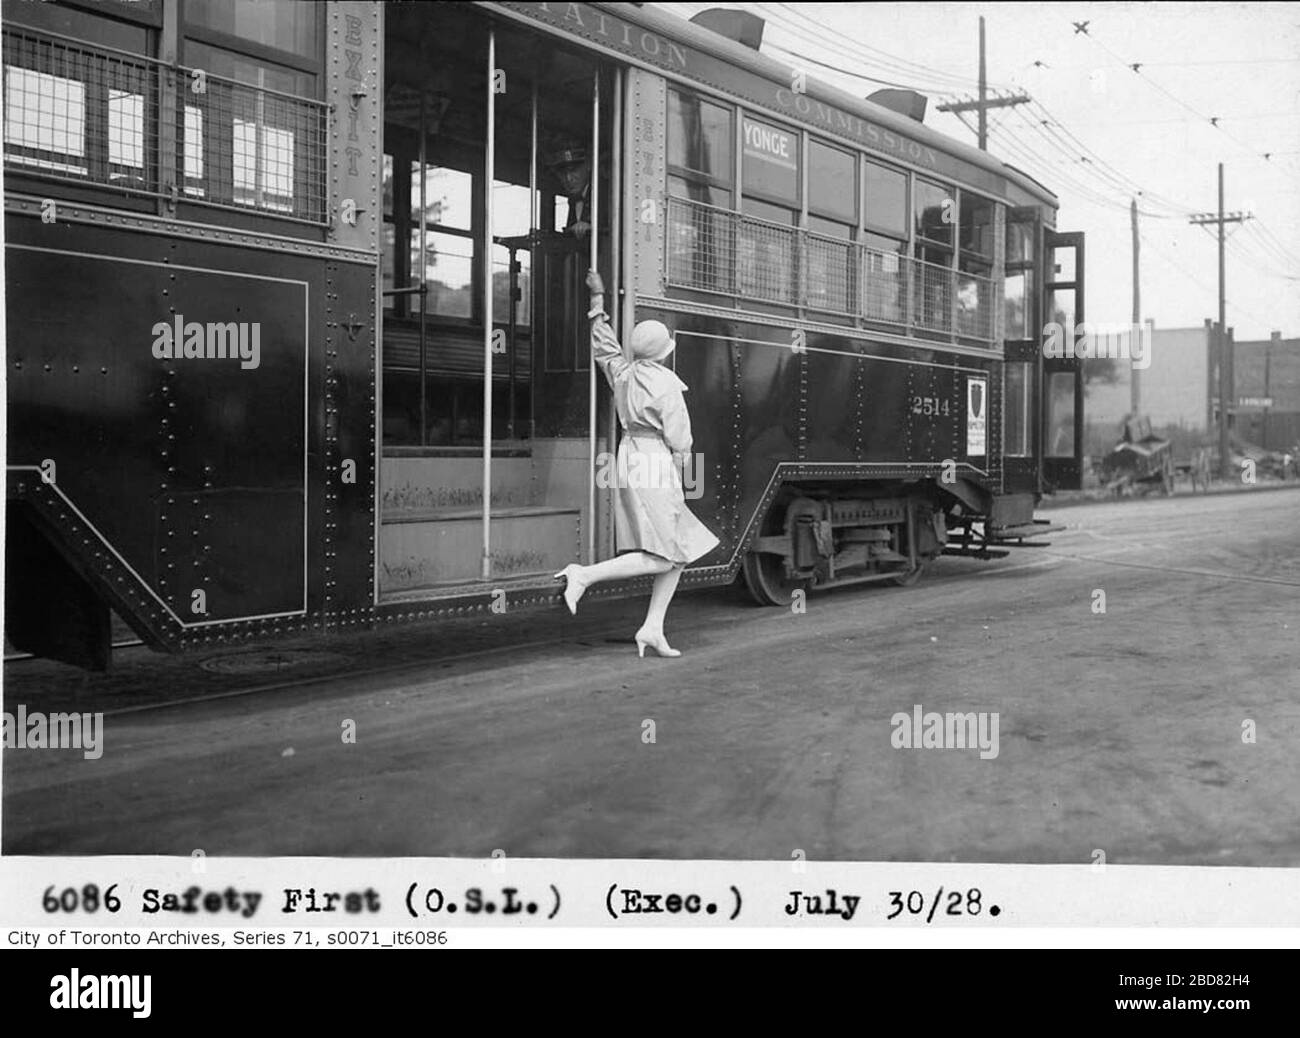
[573, 586]
[656, 641]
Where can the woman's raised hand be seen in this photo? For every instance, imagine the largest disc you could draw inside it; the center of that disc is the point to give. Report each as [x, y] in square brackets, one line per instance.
[595, 284]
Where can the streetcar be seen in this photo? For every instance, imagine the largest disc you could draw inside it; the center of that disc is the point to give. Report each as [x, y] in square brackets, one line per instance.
[297, 334]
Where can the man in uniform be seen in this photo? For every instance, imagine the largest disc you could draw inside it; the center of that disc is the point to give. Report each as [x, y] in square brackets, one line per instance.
[572, 168]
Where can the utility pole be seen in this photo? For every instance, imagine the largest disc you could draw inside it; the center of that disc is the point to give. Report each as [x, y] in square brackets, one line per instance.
[1268, 390]
[984, 95]
[983, 105]
[1135, 376]
[1224, 350]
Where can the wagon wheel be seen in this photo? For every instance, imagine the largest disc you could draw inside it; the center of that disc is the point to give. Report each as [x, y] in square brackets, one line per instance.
[765, 574]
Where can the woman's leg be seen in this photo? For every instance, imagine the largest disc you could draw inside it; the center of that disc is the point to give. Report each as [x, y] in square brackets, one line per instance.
[621, 567]
[652, 631]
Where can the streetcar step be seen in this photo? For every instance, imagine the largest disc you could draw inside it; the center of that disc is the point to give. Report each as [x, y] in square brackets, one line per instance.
[431, 548]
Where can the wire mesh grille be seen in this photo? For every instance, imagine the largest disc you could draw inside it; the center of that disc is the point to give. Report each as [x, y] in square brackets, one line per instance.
[239, 145]
[701, 247]
[76, 113]
[830, 274]
[885, 286]
[716, 250]
[932, 296]
[92, 115]
[767, 265]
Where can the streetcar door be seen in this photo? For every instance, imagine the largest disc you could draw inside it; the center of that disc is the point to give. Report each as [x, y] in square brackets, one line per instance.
[489, 445]
[1061, 392]
[1022, 353]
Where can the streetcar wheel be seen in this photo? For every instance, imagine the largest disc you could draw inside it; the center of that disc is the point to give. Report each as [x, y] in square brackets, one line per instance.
[766, 579]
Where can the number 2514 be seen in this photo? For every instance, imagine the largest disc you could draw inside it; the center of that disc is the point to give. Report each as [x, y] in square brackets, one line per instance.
[930, 405]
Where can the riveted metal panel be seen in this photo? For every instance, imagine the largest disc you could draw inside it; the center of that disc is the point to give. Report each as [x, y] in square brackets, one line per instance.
[355, 94]
[349, 371]
[648, 167]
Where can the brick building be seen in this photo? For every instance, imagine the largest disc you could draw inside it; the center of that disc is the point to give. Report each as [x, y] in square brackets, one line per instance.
[1180, 389]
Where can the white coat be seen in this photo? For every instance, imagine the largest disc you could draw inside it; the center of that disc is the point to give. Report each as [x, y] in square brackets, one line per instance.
[650, 512]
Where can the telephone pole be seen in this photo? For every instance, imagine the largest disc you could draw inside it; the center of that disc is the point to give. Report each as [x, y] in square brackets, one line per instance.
[983, 105]
[1135, 376]
[1222, 339]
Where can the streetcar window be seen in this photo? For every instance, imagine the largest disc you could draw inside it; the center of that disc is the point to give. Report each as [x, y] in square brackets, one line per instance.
[226, 64]
[125, 129]
[448, 245]
[1019, 299]
[765, 263]
[1016, 294]
[883, 243]
[770, 162]
[975, 266]
[1061, 310]
[512, 216]
[699, 139]
[262, 160]
[680, 187]
[884, 278]
[830, 265]
[252, 136]
[700, 241]
[1063, 264]
[1060, 415]
[830, 228]
[1020, 242]
[832, 213]
[767, 211]
[192, 149]
[832, 182]
[885, 207]
[511, 209]
[45, 116]
[286, 27]
[1016, 385]
[448, 272]
[975, 298]
[933, 211]
[932, 288]
[448, 197]
[976, 226]
[501, 285]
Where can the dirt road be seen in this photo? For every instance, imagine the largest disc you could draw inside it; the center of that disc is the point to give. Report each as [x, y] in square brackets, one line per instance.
[1126, 731]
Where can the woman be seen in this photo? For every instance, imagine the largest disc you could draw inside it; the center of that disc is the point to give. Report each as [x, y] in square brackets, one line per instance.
[656, 533]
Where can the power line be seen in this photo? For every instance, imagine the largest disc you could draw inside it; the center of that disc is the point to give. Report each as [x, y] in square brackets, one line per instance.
[809, 32]
[919, 69]
[1133, 185]
[1108, 180]
[1267, 233]
[1025, 153]
[1180, 64]
[804, 59]
[1136, 68]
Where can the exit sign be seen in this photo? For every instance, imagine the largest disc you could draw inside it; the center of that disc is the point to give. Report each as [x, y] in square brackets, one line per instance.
[1254, 401]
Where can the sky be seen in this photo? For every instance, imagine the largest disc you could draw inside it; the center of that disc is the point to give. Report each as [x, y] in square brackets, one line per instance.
[1110, 131]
